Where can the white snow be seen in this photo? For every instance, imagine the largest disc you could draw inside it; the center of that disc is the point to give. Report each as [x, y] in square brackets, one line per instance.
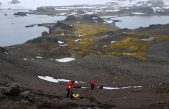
[148, 39]
[51, 79]
[117, 88]
[63, 45]
[109, 21]
[77, 40]
[137, 13]
[6, 53]
[39, 57]
[25, 59]
[65, 59]
[60, 42]
[62, 34]
[113, 42]
[80, 35]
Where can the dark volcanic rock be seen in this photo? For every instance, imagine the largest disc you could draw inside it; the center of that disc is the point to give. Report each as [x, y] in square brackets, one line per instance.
[61, 26]
[91, 19]
[4, 90]
[44, 33]
[14, 89]
[21, 14]
[42, 40]
[27, 95]
[2, 50]
[142, 9]
[71, 18]
[2, 96]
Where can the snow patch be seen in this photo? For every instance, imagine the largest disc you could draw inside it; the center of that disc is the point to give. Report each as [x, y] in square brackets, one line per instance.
[6, 53]
[65, 59]
[51, 79]
[148, 39]
[113, 42]
[117, 88]
[60, 42]
[25, 59]
[39, 57]
[77, 40]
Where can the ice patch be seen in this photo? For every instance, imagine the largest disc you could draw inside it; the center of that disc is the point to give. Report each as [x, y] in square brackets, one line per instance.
[113, 42]
[148, 39]
[6, 53]
[109, 21]
[51, 79]
[77, 40]
[117, 88]
[25, 59]
[63, 45]
[39, 57]
[60, 42]
[65, 59]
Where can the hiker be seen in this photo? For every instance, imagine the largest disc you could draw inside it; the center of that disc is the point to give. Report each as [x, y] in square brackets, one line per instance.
[76, 85]
[100, 86]
[92, 84]
[69, 88]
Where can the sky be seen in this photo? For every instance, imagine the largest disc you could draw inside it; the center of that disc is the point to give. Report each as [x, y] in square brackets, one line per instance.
[37, 3]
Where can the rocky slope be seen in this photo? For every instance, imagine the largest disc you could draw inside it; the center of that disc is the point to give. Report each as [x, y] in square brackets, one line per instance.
[119, 59]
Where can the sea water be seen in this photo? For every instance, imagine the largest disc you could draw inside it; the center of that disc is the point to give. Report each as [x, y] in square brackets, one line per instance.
[13, 30]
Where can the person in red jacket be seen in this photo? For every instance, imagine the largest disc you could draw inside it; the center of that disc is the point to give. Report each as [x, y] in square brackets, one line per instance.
[92, 84]
[69, 88]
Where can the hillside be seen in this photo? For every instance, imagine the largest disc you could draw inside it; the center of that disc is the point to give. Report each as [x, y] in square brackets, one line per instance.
[132, 66]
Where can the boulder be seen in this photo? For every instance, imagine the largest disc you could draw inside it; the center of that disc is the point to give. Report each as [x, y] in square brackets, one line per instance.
[13, 89]
[27, 95]
[44, 33]
[2, 96]
[4, 90]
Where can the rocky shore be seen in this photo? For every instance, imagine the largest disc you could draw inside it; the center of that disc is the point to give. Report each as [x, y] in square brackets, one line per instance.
[132, 65]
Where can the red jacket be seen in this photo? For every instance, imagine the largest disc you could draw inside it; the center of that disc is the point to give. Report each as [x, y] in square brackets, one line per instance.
[69, 85]
[91, 82]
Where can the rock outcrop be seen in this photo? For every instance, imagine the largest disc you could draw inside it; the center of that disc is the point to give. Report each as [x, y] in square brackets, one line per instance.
[13, 89]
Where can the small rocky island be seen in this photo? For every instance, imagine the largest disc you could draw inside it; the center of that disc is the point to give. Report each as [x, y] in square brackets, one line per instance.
[132, 65]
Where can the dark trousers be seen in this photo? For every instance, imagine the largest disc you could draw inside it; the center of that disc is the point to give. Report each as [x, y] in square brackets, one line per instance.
[92, 86]
[69, 93]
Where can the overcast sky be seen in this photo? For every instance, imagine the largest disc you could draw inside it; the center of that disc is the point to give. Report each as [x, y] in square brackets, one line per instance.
[37, 3]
